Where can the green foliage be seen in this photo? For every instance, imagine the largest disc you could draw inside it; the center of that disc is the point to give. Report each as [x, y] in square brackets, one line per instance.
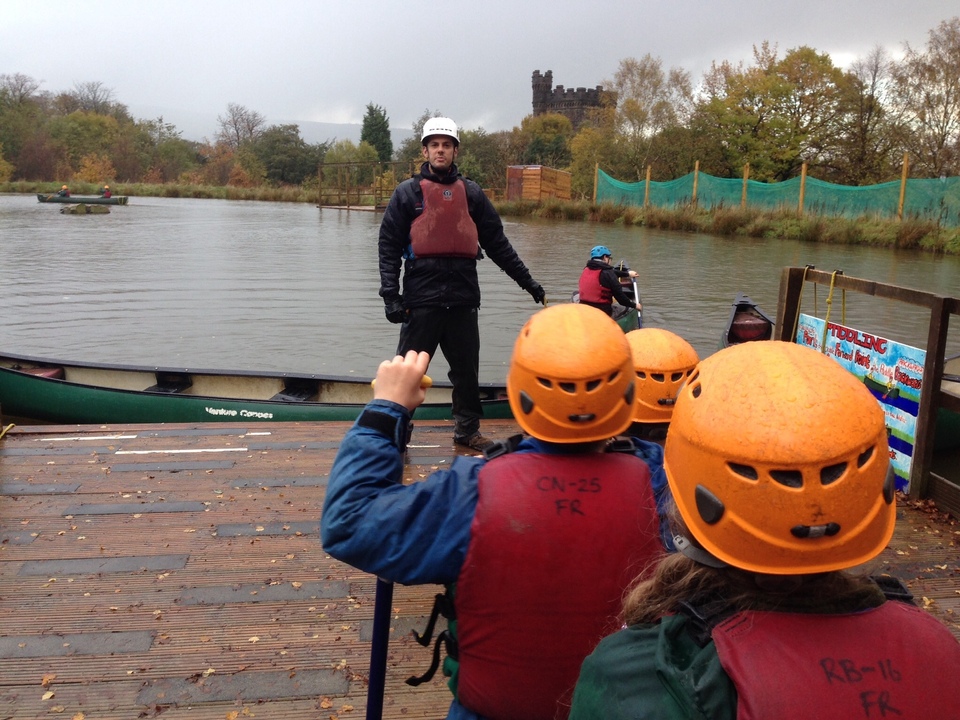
[6, 168]
[286, 158]
[173, 157]
[547, 139]
[774, 115]
[376, 132]
[249, 170]
[483, 158]
[410, 149]
[84, 133]
[346, 165]
[589, 148]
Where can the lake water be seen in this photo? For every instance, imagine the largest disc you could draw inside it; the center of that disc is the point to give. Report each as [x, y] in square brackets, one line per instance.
[268, 286]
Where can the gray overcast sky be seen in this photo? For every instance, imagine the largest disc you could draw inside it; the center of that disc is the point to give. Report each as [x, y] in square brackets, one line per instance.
[323, 61]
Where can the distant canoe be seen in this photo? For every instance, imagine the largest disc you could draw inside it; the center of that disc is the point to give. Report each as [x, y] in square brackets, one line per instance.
[747, 323]
[63, 392]
[86, 199]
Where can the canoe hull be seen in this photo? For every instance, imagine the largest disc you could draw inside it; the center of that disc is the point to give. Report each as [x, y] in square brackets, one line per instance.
[85, 199]
[95, 394]
[947, 432]
[747, 323]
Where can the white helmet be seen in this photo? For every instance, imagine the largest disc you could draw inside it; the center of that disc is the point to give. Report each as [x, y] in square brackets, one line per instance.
[440, 126]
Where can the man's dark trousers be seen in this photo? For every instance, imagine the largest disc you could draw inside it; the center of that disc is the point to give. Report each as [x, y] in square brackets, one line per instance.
[456, 331]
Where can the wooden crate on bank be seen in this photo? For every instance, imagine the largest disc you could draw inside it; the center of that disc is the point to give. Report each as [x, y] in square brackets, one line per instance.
[537, 183]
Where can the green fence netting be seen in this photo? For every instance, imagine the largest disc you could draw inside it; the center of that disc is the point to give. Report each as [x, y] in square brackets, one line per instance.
[936, 200]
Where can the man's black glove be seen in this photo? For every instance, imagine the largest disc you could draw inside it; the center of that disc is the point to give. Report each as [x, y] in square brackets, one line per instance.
[395, 312]
[537, 292]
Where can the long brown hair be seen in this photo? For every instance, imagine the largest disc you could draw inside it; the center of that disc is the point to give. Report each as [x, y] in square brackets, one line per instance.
[678, 578]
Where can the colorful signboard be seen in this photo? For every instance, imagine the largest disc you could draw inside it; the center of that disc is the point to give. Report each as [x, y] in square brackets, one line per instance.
[893, 372]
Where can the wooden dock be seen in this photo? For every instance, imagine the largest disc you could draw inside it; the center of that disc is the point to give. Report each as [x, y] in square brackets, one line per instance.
[176, 571]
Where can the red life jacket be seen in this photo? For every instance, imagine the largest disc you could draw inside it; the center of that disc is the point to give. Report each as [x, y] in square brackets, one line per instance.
[555, 541]
[892, 662]
[591, 291]
[444, 228]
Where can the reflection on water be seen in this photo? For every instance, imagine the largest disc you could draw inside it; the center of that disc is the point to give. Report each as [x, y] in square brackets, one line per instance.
[245, 285]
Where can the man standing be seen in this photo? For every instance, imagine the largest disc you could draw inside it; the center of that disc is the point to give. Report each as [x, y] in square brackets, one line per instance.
[436, 225]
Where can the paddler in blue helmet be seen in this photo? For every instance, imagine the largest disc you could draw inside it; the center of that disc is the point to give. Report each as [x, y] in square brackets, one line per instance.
[600, 282]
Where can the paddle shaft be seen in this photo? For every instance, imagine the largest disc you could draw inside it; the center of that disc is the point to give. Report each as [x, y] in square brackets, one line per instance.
[382, 607]
[636, 299]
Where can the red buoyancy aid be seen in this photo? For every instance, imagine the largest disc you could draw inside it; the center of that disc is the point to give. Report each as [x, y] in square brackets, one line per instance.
[591, 291]
[444, 228]
[888, 662]
[555, 541]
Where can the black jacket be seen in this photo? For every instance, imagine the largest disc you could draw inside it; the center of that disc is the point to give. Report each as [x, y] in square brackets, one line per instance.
[610, 278]
[441, 281]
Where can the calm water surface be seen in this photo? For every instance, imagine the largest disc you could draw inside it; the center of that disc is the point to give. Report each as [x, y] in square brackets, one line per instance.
[267, 286]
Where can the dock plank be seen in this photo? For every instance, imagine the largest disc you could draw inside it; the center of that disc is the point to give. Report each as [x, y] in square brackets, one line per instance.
[177, 570]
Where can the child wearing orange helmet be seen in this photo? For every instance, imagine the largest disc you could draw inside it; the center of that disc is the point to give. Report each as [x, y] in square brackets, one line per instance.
[537, 540]
[778, 465]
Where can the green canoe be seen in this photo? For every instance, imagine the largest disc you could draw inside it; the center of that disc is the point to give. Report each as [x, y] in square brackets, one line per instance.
[85, 199]
[54, 391]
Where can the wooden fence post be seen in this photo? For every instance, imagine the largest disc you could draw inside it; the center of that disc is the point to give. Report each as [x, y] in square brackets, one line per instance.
[903, 185]
[596, 179]
[803, 188]
[746, 176]
[646, 189]
[696, 177]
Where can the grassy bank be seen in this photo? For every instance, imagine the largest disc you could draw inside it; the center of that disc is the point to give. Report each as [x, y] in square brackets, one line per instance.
[878, 232]
[909, 234]
[209, 192]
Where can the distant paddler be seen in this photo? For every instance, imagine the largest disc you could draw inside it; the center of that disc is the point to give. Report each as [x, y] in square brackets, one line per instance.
[600, 282]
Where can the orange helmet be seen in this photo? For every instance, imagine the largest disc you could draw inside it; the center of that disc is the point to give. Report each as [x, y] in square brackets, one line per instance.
[663, 361]
[777, 459]
[63, 187]
[571, 375]
[106, 187]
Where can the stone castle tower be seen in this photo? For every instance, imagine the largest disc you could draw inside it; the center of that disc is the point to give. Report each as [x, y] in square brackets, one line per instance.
[569, 102]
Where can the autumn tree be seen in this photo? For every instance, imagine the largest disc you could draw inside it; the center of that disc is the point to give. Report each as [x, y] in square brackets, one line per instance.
[546, 138]
[93, 97]
[348, 165]
[866, 152]
[286, 157]
[84, 133]
[6, 168]
[483, 157]
[239, 125]
[17, 88]
[95, 168]
[216, 163]
[160, 148]
[21, 118]
[649, 100]
[248, 170]
[776, 114]
[409, 150]
[927, 88]
[376, 131]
